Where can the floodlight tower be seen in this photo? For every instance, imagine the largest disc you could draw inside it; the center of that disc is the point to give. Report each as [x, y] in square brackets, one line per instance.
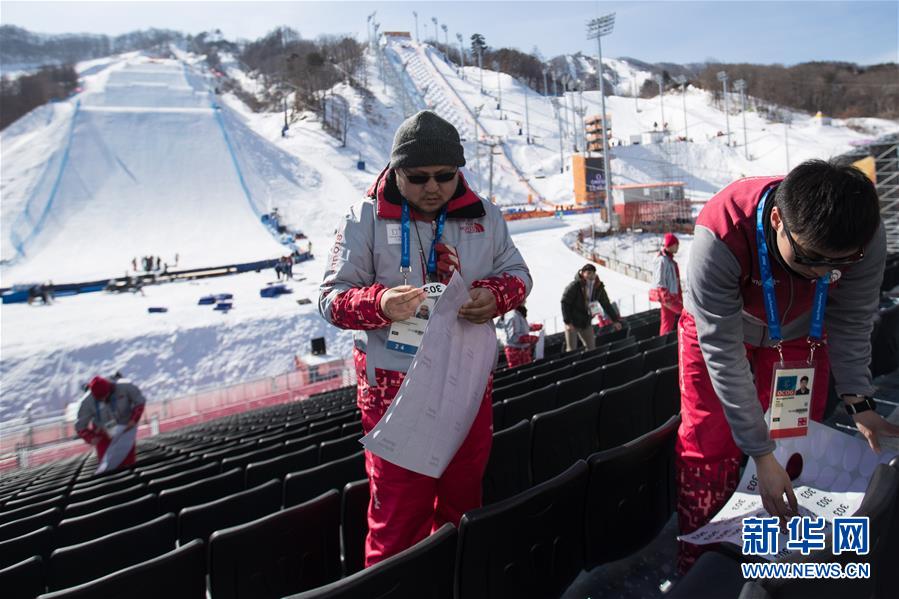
[722, 77]
[740, 85]
[682, 81]
[597, 29]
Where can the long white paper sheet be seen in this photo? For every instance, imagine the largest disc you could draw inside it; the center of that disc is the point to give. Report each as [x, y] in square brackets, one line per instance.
[121, 444]
[891, 443]
[540, 346]
[836, 468]
[433, 411]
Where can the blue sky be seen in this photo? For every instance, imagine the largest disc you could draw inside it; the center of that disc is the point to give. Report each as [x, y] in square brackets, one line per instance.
[673, 31]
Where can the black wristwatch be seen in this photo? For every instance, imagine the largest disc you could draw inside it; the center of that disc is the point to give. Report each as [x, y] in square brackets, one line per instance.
[862, 406]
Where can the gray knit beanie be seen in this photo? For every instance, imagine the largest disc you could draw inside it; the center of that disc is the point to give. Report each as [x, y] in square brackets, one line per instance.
[425, 139]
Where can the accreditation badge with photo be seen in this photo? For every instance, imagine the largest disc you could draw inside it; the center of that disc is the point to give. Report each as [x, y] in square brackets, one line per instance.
[405, 335]
[791, 400]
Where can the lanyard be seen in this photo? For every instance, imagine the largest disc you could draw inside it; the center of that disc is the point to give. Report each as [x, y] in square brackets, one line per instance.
[405, 261]
[112, 406]
[816, 330]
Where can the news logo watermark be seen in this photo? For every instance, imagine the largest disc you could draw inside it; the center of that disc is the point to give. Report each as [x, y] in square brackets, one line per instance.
[761, 537]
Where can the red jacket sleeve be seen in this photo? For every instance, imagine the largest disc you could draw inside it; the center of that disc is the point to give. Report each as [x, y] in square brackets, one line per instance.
[137, 412]
[359, 308]
[508, 290]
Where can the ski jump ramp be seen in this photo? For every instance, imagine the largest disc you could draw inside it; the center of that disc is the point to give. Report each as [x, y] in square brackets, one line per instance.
[151, 165]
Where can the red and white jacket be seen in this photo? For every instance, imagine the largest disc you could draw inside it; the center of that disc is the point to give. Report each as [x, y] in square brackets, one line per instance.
[725, 300]
[365, 262]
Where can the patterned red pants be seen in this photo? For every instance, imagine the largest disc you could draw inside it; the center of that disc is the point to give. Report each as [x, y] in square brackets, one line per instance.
[516, 356]
[702, 490]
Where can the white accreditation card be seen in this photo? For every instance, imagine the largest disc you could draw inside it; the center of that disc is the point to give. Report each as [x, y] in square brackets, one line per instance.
[595, 308]
[791, 400]
[405, 335]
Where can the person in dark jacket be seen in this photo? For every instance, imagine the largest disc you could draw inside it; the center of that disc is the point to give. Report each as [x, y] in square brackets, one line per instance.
[581, 301]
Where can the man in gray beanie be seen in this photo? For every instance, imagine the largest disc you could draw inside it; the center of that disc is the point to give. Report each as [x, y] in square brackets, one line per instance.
[420, 202]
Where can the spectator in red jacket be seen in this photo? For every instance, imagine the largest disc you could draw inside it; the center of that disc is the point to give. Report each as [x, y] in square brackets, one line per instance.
[666, 284]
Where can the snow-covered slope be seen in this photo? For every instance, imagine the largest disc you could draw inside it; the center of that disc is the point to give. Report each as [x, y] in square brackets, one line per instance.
[145, 165]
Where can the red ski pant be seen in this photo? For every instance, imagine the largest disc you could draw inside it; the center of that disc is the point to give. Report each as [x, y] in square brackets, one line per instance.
[405, 507]
[668, 321]
[518, 356]
[708, 459]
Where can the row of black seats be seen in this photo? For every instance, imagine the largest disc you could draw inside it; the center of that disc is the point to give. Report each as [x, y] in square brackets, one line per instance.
[640, 327]
[547, 443]
[532, 544]
[583, 362]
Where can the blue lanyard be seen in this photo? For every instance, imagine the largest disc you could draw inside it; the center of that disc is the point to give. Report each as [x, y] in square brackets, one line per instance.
[405, 261]
[816, 330]
[112, 407]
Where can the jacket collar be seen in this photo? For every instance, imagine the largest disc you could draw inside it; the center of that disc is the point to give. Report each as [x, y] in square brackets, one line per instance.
[388, 201]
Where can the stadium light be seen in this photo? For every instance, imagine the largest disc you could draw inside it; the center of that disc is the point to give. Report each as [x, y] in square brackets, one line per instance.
[597, 29]
[682, 81]
[722, 77]
[461, 54]
[415, 14]
[740, 85]
[436, 39]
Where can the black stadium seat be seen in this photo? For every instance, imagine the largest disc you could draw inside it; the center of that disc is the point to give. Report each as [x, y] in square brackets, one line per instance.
[183, 477]
[499, 410]
[661, 357]
[630, 495]
[666, 399]
[73, 509]
[100, 490]
[279, 467]
[306, 484]
[24, 580]
[179, 574]
[424, 571]
[626, 411]
[622, 371]
[201, 491]
[90, 526]
[523, 407]
[31, 509]
[530, 545]
[251, 455]
[562, 436]
[16, 549]
[651, 343]
[339, 448]
[200, 521]
[509, 466]
[77, 564]
[289, 551]
[312, 439]
[17, 528]
[576, 388]
[354, 524]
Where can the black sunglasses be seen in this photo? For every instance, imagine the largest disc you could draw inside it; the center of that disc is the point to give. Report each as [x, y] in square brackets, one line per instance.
[804, 260]
[422, 179]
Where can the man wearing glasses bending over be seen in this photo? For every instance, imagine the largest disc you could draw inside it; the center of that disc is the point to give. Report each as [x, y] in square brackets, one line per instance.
[418, 223]
[784, 274]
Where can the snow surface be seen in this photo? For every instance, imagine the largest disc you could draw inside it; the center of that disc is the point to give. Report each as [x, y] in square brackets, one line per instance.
[141, 180]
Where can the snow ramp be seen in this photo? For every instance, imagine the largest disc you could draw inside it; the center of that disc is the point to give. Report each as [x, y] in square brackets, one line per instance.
[150, 166]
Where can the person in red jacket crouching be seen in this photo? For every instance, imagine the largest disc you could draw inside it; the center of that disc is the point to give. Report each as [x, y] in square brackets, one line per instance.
[107, 411]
